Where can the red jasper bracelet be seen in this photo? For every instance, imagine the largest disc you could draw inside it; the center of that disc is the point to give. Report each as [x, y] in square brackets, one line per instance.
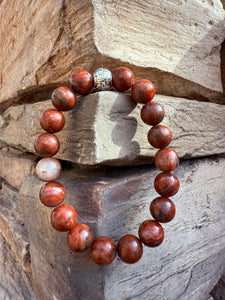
[52, 194]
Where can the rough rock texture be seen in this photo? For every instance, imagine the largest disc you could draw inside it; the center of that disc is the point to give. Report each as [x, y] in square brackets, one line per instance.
[219, 290]
[180, 53]
[106, 128]
[114, 202]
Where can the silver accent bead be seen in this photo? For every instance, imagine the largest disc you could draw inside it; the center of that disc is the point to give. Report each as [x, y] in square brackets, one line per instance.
[102, 79]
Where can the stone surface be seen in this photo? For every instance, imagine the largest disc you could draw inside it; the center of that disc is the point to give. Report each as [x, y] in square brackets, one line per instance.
[106, 128]
[113, 202]
[218, 291]
[180, 52]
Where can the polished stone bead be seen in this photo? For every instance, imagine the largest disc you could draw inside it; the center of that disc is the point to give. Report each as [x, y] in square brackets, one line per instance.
[102, 79]
[46, 145]
[122, 79]
[162, 209]
[48, 169]
[166, 159]
[52, 194]
[143, 91]
[80, 238]
[151, 233]
[159, 136]
[52, 120]
[166, 184]
[63, 217]
[130, 249]
[152, 113]
[82, 82]
[103, 251]
[63, 99]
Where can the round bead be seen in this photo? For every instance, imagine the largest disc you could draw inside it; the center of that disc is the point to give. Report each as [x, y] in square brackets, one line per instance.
[159, 136]
[166, 159]
[52, 194]
[162, 209]
[103, 251]
[52, 120]
[46, 145]
[80, 238]
[82, 82]
[122, 79]
[130, 249]
[151, 233]
[102, 79]
[48, 169]
[152, 113]
[143, 91]
[63, 217]
[63, 99]
[166, 184]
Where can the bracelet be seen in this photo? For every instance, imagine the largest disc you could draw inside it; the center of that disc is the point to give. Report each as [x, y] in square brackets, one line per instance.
[52, 194]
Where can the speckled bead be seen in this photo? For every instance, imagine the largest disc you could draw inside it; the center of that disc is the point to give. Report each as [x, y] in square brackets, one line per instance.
[166, 159]
[159, 136]
[143, 91]
[82, 82]
[63, 217]
[48, 169]
[52, 194]
[130, 249]
[151, 233]
[166, 184]
[103, 251]
[152, 113]
[80, 238]
[122, 79]
[63, 99]
[52, 120]
[46, 145]
[162, 209]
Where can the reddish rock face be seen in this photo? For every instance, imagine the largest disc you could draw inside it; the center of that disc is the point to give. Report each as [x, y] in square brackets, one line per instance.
[152, 113]
[82, 82]
[52, 120]
[143, 91]
[166, 184]
[130, 249]
[122, 79]
[63, 99]
[166, 160]
[63, 217]
[162, 209]
[151, 233]
[159, 136]
[46, 145]
[80, 238]
[103, 251]
[52, 194]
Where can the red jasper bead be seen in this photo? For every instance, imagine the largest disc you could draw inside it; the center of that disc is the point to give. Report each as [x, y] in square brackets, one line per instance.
[143, 91]
[152, 113]
[151, 233]
[130, 249]
[80, 238]
[63, 99]
[82, 82]
[166, 159]
[52, 194]
[103, 251]
[159, 136]
[63, 217]
[122, 79]
[162, 209]
[46, 145]
[52, 120]
[166, 184]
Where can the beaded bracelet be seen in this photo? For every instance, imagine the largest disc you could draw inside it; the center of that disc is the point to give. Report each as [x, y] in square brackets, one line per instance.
[52, 194]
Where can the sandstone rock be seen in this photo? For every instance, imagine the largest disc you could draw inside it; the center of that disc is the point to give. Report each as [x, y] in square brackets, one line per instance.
[105, 128]
[91, 34]
[114, 201]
